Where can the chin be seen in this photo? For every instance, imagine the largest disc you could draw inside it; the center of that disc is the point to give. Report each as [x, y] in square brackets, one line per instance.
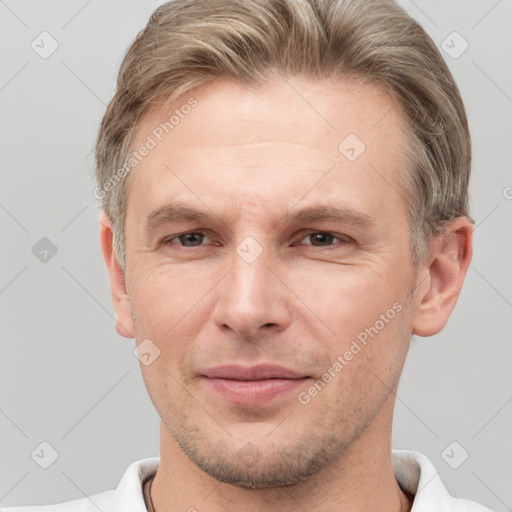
[283, 463]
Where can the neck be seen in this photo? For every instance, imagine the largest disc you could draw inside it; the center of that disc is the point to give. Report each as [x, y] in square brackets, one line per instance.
[360, 479]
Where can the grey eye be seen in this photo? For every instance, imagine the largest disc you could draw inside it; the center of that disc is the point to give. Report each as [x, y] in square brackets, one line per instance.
[190, 239]
[320, 239]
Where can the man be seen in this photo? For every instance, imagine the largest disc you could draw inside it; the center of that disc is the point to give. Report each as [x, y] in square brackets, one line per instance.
[285, 194]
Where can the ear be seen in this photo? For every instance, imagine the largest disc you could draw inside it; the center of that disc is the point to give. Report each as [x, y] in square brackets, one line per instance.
[441, 276]
[124, 323]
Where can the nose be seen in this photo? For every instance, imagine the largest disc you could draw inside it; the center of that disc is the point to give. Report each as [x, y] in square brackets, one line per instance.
[251, 298]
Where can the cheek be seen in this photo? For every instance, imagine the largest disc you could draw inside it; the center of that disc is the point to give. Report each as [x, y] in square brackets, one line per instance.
[351, 298]
[370, 320]
[166, 301]
[166, 389]
[367, 364]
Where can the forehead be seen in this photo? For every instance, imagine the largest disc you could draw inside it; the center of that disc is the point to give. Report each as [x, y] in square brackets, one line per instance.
[260, 146]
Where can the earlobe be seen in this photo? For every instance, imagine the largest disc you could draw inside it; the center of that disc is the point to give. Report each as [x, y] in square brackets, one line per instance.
[440, 282]
[124, 322]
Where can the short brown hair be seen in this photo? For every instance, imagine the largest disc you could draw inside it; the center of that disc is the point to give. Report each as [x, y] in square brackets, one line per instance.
[187, 43]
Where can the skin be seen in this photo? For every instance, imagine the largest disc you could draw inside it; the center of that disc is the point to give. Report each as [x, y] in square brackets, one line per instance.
[253, 158]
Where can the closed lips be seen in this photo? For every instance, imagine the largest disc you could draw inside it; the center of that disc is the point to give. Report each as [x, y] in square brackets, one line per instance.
[252, 373]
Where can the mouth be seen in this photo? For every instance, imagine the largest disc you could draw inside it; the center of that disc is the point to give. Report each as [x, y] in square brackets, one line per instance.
[252, 385]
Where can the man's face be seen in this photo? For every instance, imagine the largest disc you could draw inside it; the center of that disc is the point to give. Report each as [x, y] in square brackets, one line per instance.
[273, 271]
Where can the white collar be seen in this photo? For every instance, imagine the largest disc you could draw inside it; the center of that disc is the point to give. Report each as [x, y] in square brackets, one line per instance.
[413, 471]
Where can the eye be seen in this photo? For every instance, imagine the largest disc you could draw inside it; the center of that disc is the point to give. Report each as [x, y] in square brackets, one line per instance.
[321, 239]
[193, 239]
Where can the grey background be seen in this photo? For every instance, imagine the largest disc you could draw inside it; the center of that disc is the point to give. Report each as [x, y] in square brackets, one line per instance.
[68, 379]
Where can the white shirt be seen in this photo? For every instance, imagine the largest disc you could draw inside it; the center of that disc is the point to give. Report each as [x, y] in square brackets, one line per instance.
[413, 471]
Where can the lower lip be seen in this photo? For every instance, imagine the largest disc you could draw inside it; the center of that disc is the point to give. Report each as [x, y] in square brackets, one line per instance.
[253, 392]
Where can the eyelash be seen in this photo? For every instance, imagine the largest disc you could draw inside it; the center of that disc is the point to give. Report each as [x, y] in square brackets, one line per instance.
[169, 241]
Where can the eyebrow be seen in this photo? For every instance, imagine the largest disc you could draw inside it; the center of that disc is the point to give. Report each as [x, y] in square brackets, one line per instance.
[178, 212]
[332, 213]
